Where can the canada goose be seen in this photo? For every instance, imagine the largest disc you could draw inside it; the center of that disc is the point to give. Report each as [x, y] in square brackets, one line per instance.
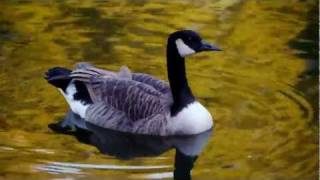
[136, 102]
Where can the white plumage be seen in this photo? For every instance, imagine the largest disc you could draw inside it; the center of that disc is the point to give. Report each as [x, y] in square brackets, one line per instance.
[183, 49]
[77, 106]
[192, 119]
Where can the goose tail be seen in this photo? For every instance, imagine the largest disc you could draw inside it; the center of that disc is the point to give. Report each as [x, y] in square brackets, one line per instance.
[58, 77]
[75, 92]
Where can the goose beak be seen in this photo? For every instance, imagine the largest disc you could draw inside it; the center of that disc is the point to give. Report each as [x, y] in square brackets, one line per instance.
[208, 47]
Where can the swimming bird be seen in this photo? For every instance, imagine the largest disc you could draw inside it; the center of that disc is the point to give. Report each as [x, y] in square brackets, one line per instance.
[136, 102]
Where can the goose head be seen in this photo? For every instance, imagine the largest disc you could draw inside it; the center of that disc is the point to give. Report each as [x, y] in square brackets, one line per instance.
[188, 42]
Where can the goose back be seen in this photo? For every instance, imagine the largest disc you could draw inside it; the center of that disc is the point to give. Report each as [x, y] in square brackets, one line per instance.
[124, 103]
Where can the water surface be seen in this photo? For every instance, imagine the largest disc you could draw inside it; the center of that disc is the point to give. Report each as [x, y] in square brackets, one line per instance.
[262, 89]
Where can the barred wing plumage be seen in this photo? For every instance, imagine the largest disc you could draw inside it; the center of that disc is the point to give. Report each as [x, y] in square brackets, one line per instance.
[158, 84]
[83, 69]
[132, 102]
[135, 99]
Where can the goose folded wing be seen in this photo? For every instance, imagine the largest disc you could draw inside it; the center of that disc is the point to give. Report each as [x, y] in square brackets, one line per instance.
[106, 116]
[136, 100]
[156, 83]
[85, 71]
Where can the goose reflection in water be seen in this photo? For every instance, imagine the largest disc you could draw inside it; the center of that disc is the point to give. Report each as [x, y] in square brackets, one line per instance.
[127, 146]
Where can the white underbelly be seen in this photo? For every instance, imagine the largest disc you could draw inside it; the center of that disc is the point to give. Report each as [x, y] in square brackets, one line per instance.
[192, 119]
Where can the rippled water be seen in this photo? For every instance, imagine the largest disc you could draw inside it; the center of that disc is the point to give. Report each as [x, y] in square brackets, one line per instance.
[262, 89]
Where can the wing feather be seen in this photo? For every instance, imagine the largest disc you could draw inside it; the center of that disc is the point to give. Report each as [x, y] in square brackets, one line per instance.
[108, 117]
[135, 99]
[156, 83]
[127, 101]
[85, 71]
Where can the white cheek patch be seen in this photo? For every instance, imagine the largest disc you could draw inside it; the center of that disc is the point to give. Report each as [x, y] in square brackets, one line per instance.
[183, 49]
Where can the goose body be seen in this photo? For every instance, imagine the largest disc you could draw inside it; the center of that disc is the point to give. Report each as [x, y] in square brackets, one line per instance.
[136, 102]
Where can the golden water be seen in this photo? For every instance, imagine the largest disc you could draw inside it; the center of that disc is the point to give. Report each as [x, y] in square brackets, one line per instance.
[262, 89]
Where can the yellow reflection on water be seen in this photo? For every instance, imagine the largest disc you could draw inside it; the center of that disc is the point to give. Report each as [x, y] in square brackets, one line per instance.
[263, 102]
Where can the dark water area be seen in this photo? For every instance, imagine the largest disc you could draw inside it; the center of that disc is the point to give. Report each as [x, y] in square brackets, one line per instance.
[262, 89]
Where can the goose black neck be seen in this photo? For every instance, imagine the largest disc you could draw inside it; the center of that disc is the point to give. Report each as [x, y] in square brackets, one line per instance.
[181, 92]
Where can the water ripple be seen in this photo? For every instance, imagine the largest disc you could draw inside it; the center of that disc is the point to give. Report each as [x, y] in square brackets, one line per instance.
[76, 168]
